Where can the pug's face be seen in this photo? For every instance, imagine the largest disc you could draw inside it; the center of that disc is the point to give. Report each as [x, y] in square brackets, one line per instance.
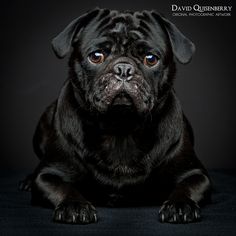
[122, 59]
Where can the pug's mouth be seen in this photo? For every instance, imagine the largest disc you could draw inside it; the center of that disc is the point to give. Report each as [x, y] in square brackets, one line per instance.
[112, 94]
[122, 99]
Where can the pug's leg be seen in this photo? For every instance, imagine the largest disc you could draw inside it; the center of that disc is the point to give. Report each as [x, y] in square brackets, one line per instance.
[182, 205]
[70, 205]
[26, 184]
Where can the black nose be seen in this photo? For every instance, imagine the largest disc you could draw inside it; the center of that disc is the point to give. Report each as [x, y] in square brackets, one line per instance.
[124, 71]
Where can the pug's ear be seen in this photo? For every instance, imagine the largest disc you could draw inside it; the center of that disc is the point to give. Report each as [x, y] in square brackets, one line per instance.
[182, 47]
[61, 44]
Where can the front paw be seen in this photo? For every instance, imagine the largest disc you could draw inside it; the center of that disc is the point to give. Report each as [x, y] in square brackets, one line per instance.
[74, 212]
[178, 212]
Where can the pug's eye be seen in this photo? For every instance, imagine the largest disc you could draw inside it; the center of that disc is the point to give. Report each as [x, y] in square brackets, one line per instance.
[96, 57]
[150, 60]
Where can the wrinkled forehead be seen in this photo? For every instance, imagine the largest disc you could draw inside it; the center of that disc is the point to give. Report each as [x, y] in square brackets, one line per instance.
[124, 29]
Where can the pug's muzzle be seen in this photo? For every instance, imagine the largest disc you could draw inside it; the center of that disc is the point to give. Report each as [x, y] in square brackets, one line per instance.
[122, 84]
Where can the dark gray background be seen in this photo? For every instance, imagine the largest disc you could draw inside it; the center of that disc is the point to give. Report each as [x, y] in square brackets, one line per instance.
[31, 76]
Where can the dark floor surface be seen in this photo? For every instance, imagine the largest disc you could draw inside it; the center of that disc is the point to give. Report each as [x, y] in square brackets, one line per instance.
[18, 217]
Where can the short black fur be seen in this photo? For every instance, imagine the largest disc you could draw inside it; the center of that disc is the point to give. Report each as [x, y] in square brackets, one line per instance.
[117, 134]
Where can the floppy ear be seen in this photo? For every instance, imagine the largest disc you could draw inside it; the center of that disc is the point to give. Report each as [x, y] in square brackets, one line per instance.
[61, 44]
[182, 47]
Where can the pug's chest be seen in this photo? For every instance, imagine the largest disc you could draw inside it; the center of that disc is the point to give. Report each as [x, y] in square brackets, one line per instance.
[118, 161]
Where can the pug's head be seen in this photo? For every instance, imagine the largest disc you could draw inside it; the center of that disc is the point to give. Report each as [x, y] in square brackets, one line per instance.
[122, 59]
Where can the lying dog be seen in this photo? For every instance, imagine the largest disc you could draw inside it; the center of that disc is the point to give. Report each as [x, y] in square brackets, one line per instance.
[116, 134]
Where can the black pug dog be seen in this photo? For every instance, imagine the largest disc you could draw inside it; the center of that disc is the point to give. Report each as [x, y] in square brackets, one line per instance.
[117, 135]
